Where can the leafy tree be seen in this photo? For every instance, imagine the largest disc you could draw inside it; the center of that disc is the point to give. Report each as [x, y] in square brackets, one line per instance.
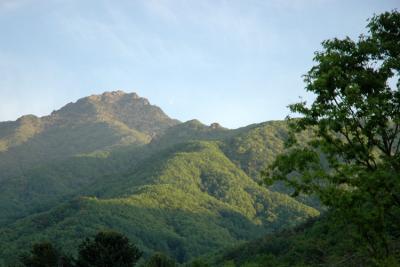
[45, 255]
[160, 260]
[198, 263]
[355, 121]
[108, 249]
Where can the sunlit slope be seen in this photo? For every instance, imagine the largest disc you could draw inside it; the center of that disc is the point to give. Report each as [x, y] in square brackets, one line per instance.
[186, 200]
[44, 186]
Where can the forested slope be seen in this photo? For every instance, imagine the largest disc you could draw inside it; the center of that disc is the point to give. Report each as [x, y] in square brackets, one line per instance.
[186, 201]
[184, 188]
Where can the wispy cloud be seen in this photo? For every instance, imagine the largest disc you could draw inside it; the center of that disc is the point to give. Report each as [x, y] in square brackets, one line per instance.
[9, 5]
[226, 19]
[182, 54]
[119, 33]
[296, 4]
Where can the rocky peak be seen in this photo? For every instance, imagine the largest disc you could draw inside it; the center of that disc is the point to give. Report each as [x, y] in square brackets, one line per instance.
[215, 125]
[119, 97]
[117, 106]
[29, 117]
[113, 94]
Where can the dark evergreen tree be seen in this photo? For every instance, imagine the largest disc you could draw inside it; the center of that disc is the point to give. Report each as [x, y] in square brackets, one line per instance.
[41, 255]
[198, 263]
[45, 255]
[108, 249]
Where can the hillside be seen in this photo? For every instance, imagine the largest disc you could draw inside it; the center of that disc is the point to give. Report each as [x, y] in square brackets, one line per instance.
[322, 241]
[97, 122]
[184, 188]
[190, 201]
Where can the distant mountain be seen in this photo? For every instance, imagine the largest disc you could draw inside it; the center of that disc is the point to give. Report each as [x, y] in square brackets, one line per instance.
[114, 161]
[92, 123]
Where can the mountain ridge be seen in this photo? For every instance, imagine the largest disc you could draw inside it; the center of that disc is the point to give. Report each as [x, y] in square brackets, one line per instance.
[92, 123]
[115, 105]
[136, 170]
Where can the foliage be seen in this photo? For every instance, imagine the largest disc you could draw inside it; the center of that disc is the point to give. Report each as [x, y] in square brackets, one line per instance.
[197, 263]
[108, 249]
[160, 260]
[355, 119]
[45, 255]
[314, 243]
[196, 199]
[254, 146]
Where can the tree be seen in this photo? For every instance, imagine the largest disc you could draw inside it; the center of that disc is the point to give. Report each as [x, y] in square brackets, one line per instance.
[160, 260]
[198, 263]
[45, 255]
[108, 249]
[42, 255]
[353, 160]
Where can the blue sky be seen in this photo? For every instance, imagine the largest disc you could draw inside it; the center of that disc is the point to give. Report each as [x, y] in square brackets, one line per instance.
[234, 62]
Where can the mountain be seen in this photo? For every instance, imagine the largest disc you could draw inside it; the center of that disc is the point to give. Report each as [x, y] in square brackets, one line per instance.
[113, 161]
[97, 122]
[186, 201]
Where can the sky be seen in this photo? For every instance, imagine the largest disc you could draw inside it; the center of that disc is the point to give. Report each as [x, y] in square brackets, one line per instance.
[235, 62]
